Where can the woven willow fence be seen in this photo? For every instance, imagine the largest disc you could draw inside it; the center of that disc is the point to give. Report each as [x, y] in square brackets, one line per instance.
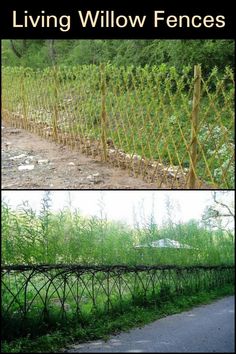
[45, 292]
[174, 129]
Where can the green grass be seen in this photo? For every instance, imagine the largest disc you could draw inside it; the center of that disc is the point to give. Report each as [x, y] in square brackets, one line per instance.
[103, 326]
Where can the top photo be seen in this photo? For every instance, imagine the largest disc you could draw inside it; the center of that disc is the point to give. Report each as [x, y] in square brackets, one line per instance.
[118, 114]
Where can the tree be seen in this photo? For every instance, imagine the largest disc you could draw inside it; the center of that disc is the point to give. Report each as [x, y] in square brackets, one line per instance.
[220, 213]
[19, 52]
[51, 50]
[172, 208]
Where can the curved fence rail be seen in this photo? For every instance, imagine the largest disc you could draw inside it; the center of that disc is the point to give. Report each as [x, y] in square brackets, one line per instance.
[43, 293]
[173, 128]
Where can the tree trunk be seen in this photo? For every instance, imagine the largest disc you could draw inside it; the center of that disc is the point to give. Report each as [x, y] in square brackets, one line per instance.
[15, 51]
[52, 51]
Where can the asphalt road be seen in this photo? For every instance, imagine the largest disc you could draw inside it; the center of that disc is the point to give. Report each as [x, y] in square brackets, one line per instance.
[208, 328]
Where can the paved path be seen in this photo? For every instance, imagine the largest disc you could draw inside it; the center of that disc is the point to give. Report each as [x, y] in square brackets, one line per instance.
[208, 328]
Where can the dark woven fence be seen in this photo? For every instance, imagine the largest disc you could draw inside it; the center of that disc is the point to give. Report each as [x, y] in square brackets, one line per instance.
[47, 292]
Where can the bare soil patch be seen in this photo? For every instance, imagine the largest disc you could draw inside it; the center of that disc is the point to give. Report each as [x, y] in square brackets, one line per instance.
[31, 162]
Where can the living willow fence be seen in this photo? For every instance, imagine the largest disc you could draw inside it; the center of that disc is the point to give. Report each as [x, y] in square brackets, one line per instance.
[173, 128]
[47, 293]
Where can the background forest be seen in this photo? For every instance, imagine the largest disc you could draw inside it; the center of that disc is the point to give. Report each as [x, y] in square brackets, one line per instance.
[41, 53]
[66, 236]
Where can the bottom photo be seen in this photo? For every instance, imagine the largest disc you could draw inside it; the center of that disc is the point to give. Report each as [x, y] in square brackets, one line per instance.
[117, 271]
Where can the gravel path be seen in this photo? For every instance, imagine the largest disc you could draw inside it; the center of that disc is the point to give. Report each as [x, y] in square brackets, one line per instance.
[208, 328]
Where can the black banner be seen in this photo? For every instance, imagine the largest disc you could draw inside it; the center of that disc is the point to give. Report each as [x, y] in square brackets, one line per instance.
[116, 19]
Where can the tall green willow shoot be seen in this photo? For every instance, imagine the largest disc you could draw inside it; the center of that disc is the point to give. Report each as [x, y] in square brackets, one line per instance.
[66, 236]
[44, 218]
[7, 242]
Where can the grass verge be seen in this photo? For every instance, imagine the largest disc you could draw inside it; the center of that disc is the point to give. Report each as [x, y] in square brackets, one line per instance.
[106, 325]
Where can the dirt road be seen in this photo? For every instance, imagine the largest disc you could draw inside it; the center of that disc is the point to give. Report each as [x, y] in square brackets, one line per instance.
[31, 162]
[208, 328]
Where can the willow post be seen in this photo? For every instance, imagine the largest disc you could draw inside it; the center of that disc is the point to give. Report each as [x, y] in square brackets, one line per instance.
[194, 128]
[55, 105]
[24, 102]
[103, 113]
